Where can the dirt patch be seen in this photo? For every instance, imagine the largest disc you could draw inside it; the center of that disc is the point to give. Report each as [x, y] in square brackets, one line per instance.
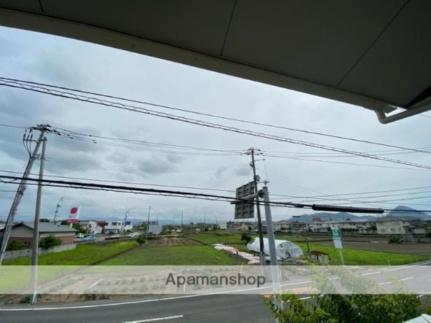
[172, 242]
[420, 249]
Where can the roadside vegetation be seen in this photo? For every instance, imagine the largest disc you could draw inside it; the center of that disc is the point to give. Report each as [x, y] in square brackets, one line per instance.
[84, 254]
[351, 256]
[175, 255]
[363, 257]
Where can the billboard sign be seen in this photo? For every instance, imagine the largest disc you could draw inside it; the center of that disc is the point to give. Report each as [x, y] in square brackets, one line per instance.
[336, 236]
[245, 209]
[73, 215]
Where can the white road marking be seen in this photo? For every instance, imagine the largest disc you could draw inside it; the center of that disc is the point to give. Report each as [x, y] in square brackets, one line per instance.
[297, 283]
[399, 268]
[95, 283]
[371, 273]
[62, 308]
[406, 278]
[385, 283]
[157, 319]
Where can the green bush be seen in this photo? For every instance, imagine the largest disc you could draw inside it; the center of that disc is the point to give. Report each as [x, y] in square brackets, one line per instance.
[141, 239]
[246, 237]
[394, 239]
[16, 245]
[49, 242]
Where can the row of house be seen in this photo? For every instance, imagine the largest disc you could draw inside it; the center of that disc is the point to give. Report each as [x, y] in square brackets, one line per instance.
[384, 226]
[23, 232]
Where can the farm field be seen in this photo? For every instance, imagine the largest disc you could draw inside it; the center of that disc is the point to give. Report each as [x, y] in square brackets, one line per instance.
[364, 257]
[368, 243]
[216, 237]
[354, 253]
[174, 255]
[418, 249]
[84, 254]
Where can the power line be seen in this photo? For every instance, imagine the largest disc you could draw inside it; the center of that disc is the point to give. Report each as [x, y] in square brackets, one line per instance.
[164, 106]
[228, 152]
[12, 126]
[213, 151]
[293, 155]
[128, 182]
[152, 191]
[303, 198]
[342, 163]
[122, 106]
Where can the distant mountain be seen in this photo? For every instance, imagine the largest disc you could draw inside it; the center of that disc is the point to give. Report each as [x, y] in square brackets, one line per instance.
[329, 216]
[402, 211]
[398, 212]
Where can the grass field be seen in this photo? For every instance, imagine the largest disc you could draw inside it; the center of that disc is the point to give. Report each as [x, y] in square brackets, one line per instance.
[216, 237]
[363, 257]
[174, 255]
[351, 256]
[84, 254]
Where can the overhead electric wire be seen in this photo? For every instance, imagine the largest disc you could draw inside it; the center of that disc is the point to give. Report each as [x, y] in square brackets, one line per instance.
[303, 198]
[181, 149]
[122, 106]
[164, 106]
[152, 191]
[125, 182]
[227, 152]
[74, 96]
[342, 162]
[140, 141]
[291, 155]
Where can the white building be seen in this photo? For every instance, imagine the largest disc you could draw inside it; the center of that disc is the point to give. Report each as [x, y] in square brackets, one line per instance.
[155, 228]
[116, 227]
[391, 227]
[283, 248]
[91, 226]
[222, 225]
[350, 226]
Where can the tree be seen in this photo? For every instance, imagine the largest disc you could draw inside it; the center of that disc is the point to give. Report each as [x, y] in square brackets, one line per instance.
[78, 227]
[49, 242]
[141, 239]
[246, 237]
[44, 220]
[365, 308]
[394, 239]
[16, 245]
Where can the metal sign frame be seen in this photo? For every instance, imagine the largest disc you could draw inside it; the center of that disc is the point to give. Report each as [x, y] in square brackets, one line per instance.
[245, 209]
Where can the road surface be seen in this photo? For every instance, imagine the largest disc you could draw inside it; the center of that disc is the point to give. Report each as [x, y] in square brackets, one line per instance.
[208, 309]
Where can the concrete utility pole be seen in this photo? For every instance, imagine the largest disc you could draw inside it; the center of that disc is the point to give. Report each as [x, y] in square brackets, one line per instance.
[20, 190]
[35, 244]
[269, 229]
[251, 151]
[148, 222]
[57, 208]
[275, 272]
[182, 214]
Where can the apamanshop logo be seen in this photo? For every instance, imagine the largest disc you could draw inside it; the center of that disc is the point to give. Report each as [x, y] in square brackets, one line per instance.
[215, 280]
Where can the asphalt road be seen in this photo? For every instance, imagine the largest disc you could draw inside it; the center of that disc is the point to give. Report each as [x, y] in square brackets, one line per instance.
[208, 309]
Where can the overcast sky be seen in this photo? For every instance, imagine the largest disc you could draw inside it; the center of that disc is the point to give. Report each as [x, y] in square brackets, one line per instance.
[43, 58]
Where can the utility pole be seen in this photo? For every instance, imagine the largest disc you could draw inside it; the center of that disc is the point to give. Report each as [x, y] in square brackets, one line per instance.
[275, 273]
[148, 222]
[21, 187]
[182, 214]
[57, 208]
[35, 244]
[251, 151]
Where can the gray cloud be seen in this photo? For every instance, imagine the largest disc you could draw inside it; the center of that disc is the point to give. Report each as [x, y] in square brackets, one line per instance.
[243, 170]
[155, 166]
[81, 65]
